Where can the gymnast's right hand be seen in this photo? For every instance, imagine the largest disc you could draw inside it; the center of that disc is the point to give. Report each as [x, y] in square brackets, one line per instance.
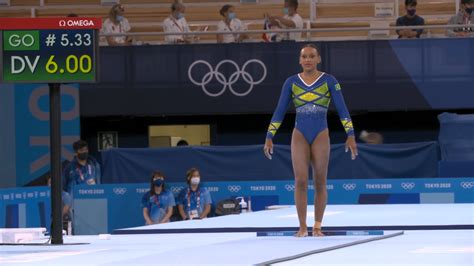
[268, 148]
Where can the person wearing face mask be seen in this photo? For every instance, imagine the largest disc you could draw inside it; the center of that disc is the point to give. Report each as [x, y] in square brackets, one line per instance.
[83, 169]
[194, 202]
[230, 23]
[157, 203]
[464, 17]
[117, 23]
[410, 19]
[290, 20]
[176, 23]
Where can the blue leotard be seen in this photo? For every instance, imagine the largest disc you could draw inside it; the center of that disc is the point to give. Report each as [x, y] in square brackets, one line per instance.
[311, 102]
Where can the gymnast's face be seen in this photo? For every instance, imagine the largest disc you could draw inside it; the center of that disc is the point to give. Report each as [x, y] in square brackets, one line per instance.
[309, 58]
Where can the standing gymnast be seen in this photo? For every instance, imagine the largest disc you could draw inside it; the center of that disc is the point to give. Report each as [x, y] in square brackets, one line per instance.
[311, 92]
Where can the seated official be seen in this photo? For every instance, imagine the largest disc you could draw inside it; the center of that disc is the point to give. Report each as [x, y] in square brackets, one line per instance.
[410, 19]
[157, 203]
[194, 202]
[465, 19]
[117, 23]
[176, 23]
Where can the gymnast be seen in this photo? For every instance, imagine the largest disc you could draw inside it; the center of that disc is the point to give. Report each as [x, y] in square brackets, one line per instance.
[311, 92]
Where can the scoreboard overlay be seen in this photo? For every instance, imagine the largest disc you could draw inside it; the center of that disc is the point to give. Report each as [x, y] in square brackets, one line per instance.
[49, 50]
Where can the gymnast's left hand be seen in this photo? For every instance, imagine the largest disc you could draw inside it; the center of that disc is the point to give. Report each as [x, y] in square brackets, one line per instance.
[351, 145]
[268, 148]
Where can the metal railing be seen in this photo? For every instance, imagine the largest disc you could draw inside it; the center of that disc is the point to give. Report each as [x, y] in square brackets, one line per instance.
[312, 30]
[307, 31]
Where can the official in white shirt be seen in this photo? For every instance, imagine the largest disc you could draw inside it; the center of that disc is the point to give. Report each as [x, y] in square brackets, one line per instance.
[177, 23]
[230, 23]
[290, 20]
[117, 23]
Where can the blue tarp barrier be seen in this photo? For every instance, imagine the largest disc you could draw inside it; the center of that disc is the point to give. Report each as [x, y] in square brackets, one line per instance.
[247, 163]
[456, 168]
[456, 137]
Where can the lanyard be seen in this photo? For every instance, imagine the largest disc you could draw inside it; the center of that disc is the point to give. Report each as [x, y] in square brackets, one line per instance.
[228, 26]
[81, 175]
[156, 200]
[236, 36]
[177, 25]
[120, 27]
[198, 199]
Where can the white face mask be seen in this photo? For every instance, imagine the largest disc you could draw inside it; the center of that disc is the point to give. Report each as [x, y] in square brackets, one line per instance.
[195, 180]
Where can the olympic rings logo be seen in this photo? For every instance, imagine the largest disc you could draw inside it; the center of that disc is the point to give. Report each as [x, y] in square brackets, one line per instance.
[350, 186]
[176, 189]
[221, 78]
[234, 189]
[120, 190]
[467, 185]
[290, 187]
[408, 186]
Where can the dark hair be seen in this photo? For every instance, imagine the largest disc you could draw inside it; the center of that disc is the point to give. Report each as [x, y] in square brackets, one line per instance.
[79, 145]
[190, 173]
[224, 9]
[152, 185]
[182, 143]
[292, 3]
[463, 2]
[72, 15]
[176, 5]
[410, 3]
[310, 45]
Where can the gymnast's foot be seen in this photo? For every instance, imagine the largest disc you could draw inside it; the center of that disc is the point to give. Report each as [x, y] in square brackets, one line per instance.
[317, 232]
[302, 232]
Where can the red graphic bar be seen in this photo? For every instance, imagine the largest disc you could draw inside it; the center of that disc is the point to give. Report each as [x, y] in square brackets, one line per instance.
[50, 23]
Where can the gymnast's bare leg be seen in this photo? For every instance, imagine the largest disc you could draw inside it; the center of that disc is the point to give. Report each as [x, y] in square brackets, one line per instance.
[320, 149]
[300, 157]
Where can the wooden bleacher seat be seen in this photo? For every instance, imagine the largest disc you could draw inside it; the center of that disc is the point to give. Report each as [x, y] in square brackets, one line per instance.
[15, 13]
[139, 2]
[24, 2]
[69, 2]
[335, 11]
[64, 10]
[210, 1]
[146, 14]
[323, 25]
